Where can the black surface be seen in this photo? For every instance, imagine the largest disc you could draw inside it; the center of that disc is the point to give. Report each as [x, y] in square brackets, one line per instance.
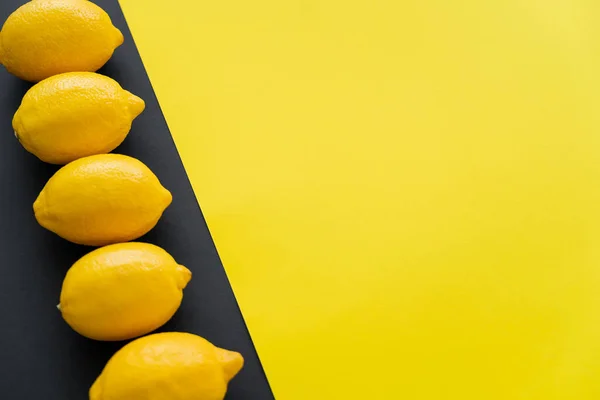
[41, 357]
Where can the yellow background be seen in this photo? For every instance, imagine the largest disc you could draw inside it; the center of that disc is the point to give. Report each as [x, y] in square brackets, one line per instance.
[405, 193]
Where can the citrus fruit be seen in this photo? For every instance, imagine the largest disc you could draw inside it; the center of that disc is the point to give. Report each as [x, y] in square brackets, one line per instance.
[102, 199]
[167, 366]
[73, 115]
[122, 291]
[48, 37]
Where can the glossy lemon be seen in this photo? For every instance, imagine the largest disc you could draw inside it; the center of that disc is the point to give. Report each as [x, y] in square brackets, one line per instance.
[122, 291]
[167, 366]
[73, 115]
[48, 37]
[102, 199]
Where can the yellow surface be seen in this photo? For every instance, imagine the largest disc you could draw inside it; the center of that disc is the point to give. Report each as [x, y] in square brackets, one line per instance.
[405, 194]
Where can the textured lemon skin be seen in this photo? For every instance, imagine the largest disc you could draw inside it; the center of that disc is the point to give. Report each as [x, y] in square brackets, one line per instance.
[74, 115]
[122, 291]
[102, 199]
[167, 366]
[48, 37]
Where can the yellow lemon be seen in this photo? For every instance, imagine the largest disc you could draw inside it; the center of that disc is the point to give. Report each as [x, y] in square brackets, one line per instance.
[73, 115]
[167, 366]
[122, 291]
[48, 37]
[102, 199]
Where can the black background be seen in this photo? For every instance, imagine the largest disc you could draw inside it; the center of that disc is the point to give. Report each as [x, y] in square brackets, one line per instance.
[40, 356]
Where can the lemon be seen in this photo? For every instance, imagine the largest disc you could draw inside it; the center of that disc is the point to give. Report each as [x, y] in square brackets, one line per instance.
[102, 199]
[48, 37]
[73, 115]
[167, 366]
[122, 291]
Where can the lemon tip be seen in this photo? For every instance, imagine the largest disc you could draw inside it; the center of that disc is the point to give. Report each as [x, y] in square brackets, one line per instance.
[1, 50]
[185, 276]
[168, 197]
[119, 38]
[37, 205]
[39, 210]
[17, 124]
[231, 361]
[136, 104]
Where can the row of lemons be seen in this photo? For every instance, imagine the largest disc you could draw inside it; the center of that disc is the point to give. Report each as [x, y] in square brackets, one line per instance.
[125, 289]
